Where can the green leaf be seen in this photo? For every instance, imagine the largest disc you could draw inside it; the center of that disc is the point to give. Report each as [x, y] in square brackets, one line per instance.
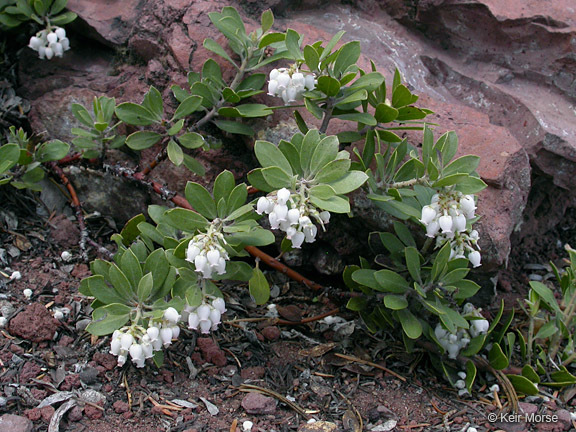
[131, 267]
[175, 128]
[311, 57]
[335, 204]
[366, 278]
[237, 197]
[230, 95]
[470, 375]
[82, 115]
[259, 287]
[175, 153]
[351, 181]
[314, 108]
[497, 358]
[52, 150]
[234, 127]
[201, 200]
[96, 286]
[108, 318]
[311, 140]
[63, 19]
[333, 171]
[293, 44]
[269, 155]
[246, 110]
[471, 185]
[187, 107]
[385, 113]
[145, 287]
[154, 103]
[330, 45]
[370, 82]
[325, 152]
[523, 385]
[530, 373]
[290, 151]
[212, 45]
[186, 220]
[402, 97]
[191, 140]
[357, 96]
[348, 55]
[410, 324]
[9, 155]
[223, 185]
[389, 281]
[135, 114]
[120, 282]
[395, 302]
[365, 118]
[276, 177]
[39, 7]
[57, 7]
[413, 262]
[323, 192]
[271, 38]
[256, 179]
[449, 180]
[546, 295]
[157, 265]
[193, 165]
[142, 140]
[328, 85]
[465, 164]
[267, 20]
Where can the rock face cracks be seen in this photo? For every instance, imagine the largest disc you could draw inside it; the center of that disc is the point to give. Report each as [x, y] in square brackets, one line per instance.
[502, 74]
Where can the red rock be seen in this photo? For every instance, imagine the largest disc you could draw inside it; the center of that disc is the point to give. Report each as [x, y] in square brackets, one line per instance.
[46, 413]
[211, 351]
[271, 333]
[108, 361]
[71, 381]
[29, 370]
[167, 376]
[256, 403]
[38, 394]
[65, 341]
[35, 324]
[76, 414]
[121, 407]
[15, 423]
[65, 233]
[33, 414]
[92, 412]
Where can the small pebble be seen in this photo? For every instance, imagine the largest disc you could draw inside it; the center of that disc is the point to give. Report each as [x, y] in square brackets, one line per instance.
[66, 256]
[27, 293]
[16, 275]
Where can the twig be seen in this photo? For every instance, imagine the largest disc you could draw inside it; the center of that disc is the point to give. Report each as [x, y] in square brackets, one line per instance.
[369, 363]
[309, 319]
[75, 203]
[253, 388]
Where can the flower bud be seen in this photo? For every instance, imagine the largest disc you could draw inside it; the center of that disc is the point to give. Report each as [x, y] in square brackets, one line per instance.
[221, 266]
[325, 216]
[474, 257]
[192, 251]
[166, 336]
[60, 32]
[283, 195]
[126, 341]
[121, 360]
[171, 314]
[219, 304]
[428, 214]
[193, 321]
[297, 240]
[445, 223]
[52, 37]
[203, 312]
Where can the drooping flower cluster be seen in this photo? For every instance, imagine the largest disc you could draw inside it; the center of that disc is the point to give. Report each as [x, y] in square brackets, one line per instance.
[51, 43]
[295, 220]
[290, 84]
[207, 252]
[446, 218]
[453, 343]
[141, 343]
[205, 317]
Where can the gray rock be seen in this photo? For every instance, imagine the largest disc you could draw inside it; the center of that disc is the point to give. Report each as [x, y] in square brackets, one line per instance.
[15, 423]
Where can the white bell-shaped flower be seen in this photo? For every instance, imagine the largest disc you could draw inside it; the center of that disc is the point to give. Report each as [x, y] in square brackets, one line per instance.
[60, 32]
[219, 304]
[325, 216]
[49, 53]
[459, 223]
[166, 335]
[126, 341]
[273, 87]
[474, 257]
[445, 223]
[293, 216]
[121, 360]
[192, 251]
[297, 240]
[282, 196]
[52, 37]
[115, 346]
[205, 326]
[193, 321]
[172, 315]
[203, 312]
[428, 214]
[136, 352]
[310, 82]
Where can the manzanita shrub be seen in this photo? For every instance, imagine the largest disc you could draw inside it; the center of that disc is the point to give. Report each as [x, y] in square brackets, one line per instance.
[51, 40]
[169, 266]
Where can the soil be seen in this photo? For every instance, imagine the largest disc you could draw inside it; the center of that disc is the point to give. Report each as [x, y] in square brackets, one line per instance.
[42, 356]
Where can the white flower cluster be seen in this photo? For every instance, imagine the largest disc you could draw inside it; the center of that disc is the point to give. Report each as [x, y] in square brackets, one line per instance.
[454, 342]
[461, 384]
[290, 85]
[446, 219]
[207, 252]
[294, 221]
[141, 343]
[205, 317]
[50, 43]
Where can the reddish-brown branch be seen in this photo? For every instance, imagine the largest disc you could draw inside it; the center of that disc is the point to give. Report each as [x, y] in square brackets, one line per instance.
[277, 265]
[309, 319]
[162, 154]
[181, 202]
[73, 158]
[75, 203]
